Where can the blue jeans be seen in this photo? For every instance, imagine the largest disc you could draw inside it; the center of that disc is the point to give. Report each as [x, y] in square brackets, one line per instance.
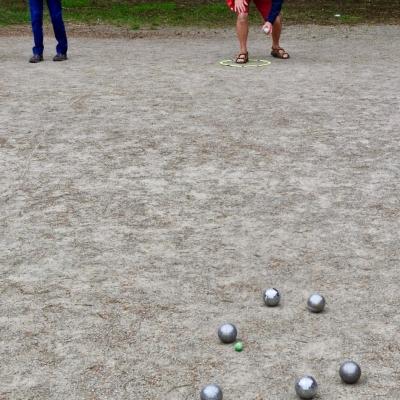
[36, 7]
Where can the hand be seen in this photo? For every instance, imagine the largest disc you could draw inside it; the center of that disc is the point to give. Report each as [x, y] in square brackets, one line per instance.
[241, 6]
[267, 28]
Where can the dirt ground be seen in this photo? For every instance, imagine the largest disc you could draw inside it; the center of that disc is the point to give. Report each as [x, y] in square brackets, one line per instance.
[149, 194]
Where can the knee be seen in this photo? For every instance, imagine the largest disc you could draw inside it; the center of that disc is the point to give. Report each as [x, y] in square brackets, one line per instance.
[243, 18]
[36, 17]
[278, 20]
[56, 16]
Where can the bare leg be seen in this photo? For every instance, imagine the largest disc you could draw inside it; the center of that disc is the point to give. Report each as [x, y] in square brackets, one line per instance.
[242, 29]
[276, 32]
[276, 35]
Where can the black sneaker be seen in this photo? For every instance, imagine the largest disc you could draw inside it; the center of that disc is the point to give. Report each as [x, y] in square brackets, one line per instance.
[36, 58]
[60, 57]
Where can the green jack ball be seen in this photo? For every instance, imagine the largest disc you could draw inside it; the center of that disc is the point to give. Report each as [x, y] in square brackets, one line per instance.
[239, 346]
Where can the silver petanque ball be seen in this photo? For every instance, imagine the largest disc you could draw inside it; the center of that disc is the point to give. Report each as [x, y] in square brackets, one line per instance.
[272, 297]
[211, 392]
[227, 333]
[306, 387]
[316, 303]
[350, 372]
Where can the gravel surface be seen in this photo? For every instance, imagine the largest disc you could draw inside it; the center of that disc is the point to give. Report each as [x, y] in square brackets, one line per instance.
[148, 194]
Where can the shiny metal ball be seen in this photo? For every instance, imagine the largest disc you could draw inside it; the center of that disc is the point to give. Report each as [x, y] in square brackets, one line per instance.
[306, 387]
[350, 372]
[211, 392]
[272, 297]
[316, 303]
[227, 333]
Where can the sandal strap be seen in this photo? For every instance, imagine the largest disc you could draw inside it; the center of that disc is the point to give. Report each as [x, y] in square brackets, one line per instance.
[242, 58]
[280, 52]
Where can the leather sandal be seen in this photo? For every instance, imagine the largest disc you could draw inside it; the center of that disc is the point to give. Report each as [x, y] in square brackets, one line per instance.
[279, 52]
[242, 58]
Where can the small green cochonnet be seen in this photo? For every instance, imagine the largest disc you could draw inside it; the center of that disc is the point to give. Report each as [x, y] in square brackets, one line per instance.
[239, 346]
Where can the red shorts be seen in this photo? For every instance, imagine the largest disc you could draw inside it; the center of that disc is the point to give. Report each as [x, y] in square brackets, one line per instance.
[264, 6]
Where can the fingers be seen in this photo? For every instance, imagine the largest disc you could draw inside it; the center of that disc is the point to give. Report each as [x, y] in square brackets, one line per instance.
[267, 28]
[241, 6]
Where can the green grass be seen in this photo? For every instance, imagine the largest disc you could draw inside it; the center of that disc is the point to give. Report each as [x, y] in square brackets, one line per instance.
[11, 15]
[156, 14]
[183, 13]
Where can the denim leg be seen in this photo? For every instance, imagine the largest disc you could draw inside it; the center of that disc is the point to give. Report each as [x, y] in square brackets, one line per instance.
[36, 8]
[55, 9]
